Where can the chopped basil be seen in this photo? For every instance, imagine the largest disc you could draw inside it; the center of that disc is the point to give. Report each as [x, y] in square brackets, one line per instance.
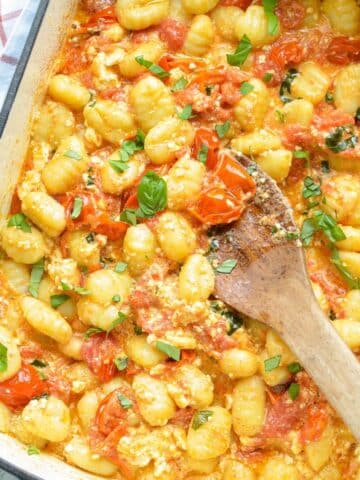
[76, 289]
[201, 417]
[39, 363]
[227, 266]
[241, 53]
[222, 128]
[294, 391]
[325, 167]
[285, 86]
[125, 402]
[324, 222]
[120, 267]
[301, 154]
[294, 367]
[246, 88]
[37, 272]
[118, 321]
[152, 67]
[329, 97]
[93, 331]
[203, 153]
[186, 112]
[128, 148]
[272, 19]
[280, 115]
[120, 166]
[19, 221]
[170, 350]
[116, 298]
[307, 231]
[3, 358]
[311, 189]
[77, 207]
[138, 330]
[121, 363]
[73, 155]
[354, 283]
[32, 450]
[341, 139]
[235, 321]
[268, 76]
[151, 195]
[291, 235]
[271, 363]
[357, 115]
[90, 238]
[128, 216]
[57, 300]
[209, 89]
[179, 84]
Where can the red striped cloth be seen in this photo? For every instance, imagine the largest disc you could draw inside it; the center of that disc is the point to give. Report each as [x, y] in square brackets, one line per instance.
[10, 11]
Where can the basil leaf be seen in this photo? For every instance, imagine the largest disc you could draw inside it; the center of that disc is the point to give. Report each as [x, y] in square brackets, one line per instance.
[235, 321]
[90, 238]
[76, 289]
[280, 115]
[125, 402]
[325, 167]
[151, 195]
[328, 225]
[186, 112]
[118, 321]
[268, 76]
[329, 97]
[341, 139]
[357, 115]
[222, 129]
[227, 266]
[73, 155]
[120, 267]
[203, 153]
[285, 86]
[273, 21]
[170, 350]
[77, 207]
[294, 391]
[57, 300]
[119, 165]
[93, 331]
[32, 450]
[201, 417]
[3, 358]
[37, 272]
[241, 53]
[179, 84]
[246, 88]
[271, 363]
[128, 216]
[39, 363]
[152, 67]
[311, 189]
[138, 330]
[121, 363]
[354, 283]
[116, 298]
[294, 367]
[19, 221]
[307, 231]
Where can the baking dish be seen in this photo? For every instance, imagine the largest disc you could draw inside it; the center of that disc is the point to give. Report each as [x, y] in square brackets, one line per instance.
[13, 145]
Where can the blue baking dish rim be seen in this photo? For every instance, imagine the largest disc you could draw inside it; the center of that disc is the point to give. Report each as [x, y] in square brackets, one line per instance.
[20, 68]
[17, 472]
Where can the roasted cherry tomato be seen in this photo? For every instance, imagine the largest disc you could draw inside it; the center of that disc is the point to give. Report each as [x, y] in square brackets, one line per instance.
[99, 352]
[20, 389]
[234, 175]
[216, 206]
[173, 33]
[208, 138]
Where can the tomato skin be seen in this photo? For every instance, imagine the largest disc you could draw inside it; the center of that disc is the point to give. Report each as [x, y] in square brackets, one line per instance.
[205, 136]
[316, 421]
[169, 61]
[99, 352]
[104, 16]
[243, 4]
[234, 175]
[343, 50]
[291, 13]
[20, 389]
[216, 206]
[173, 33]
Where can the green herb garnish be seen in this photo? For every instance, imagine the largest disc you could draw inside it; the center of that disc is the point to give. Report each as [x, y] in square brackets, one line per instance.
[271, 363]
[227, 266]
[201, 417]
[37, 272]
[170, 350]
[222, 128]
[152, 67]
[241, 53]
[77, 207]
[57, 300]
[19, 221]
[179, 84]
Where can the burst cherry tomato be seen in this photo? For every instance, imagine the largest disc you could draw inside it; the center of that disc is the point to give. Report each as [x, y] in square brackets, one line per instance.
[209, 139]
[20, 389]
[216, 206]
[99, 352]
[173, 33]
[291, 13]
[234, 175]
[344, 50]
[107, 15]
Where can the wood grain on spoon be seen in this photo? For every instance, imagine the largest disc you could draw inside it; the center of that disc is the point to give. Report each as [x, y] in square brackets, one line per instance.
[270, 284]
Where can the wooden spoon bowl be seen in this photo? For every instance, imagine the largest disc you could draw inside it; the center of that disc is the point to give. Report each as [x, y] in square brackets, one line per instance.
[270, 284]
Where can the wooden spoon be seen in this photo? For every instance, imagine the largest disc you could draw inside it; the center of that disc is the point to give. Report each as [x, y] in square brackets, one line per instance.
[270, 284]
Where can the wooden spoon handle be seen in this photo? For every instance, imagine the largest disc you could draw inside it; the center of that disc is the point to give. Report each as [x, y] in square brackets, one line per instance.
[326, 357]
